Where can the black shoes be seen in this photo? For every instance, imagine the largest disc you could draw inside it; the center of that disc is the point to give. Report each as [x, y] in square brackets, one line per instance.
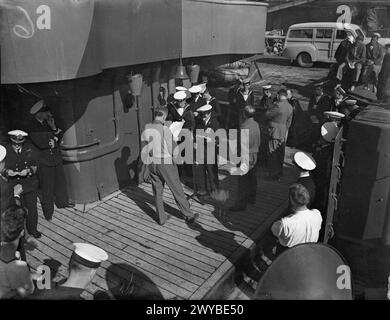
[192, 219]
[161, 223]
[36, 234]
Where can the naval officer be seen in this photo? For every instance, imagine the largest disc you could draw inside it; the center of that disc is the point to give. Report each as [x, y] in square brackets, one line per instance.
[47, 137]
[21, 168]
[306, 164]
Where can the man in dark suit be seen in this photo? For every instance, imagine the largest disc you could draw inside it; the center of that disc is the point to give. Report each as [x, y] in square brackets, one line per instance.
[318, 104]
[21, 168]
[343, 55]
[247, 183]
[46, 137]
[279, 120]
[205, 171]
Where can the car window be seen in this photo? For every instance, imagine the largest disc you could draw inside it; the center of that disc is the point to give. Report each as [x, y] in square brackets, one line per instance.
[324, 33]
[301, 33]
[341, 34]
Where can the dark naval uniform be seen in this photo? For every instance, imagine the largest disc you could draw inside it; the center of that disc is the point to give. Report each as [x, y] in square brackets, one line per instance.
[6, 193]
[279, 121]
[26, 158]
[266, 103]
[206, 175]
[50, 171]
[238, 100]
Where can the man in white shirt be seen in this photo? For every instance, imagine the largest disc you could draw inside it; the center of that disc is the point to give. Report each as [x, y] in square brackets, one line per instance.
[302, 226]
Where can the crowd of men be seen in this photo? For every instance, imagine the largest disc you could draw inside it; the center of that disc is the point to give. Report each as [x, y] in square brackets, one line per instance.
[31, 162]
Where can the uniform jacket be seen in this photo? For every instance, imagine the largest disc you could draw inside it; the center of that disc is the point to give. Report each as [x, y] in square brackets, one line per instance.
[279, 120]
[26, 159]
[374, 52]
[213, 125]
[188, 116]
[40, 135]
[194, 105]
[237, 100]
[317, 108]
[217, 112]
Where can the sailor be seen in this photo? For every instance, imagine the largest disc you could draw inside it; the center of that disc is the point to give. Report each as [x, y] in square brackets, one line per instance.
[83, 265]
[21, 168]
[179, 110]
[306, 164]
[171, 99]
[318, 104]
[196, 100]
[267, 100]
[216, 108]
[206, 167]
[323, 155]
[337, 102]
[46, 137]
[238, 99]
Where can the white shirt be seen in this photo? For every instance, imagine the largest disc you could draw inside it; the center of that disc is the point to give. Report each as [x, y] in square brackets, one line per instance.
[300, 227]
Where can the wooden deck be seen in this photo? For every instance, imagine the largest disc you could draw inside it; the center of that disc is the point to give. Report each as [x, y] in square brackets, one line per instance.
[174, 261]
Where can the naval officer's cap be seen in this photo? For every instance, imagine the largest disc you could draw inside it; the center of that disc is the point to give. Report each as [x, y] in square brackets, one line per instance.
[203, 87]
[180, 88]
[17, 136]
[267, 87]
[205, 108]
[88, 255]
[350, 102]
[40, 106]
[3, 153]
[304, 161]
[329, 131]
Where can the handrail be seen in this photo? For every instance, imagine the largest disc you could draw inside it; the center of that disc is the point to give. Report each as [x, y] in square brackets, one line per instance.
[80, 146]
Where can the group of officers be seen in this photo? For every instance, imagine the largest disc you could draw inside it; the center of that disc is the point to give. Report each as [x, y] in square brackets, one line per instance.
[31, 166]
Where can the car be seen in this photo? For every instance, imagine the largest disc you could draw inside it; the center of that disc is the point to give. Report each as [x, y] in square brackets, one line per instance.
[310, 42]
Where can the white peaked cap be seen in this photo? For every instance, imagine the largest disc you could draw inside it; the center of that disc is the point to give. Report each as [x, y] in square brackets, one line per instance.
[267, 87]
[204, 108]
[195, 89]
[89, 255]
[329, 131]
[350, 102]
[180, 95]
[18, 133]
[304, 161]
[180, 88]
[3, 153]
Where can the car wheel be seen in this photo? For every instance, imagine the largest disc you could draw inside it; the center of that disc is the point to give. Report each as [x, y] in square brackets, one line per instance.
[304, 60]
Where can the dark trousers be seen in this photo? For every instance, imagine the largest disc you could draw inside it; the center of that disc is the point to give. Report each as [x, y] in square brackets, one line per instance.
[276, 151]
[167, 173]
[53, 187]
[247, 186]
[29, 201]
[206, 177]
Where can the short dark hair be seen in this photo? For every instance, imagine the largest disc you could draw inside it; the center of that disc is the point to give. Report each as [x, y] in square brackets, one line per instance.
[299, 194]
[12, 223]
[249, 111]
[160, 112]
[282, 92]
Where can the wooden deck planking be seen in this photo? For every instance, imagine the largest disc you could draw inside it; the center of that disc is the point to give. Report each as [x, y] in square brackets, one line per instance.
[173, 261]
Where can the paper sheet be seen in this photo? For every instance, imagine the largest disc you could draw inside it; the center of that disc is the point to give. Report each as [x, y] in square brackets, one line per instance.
[175, 128]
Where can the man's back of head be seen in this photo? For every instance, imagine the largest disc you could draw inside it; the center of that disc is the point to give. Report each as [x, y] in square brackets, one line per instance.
[249, 111]
[12, 223]
[160, 113]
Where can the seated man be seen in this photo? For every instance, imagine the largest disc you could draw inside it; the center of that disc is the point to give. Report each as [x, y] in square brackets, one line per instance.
[302, 226]
[15, 278]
